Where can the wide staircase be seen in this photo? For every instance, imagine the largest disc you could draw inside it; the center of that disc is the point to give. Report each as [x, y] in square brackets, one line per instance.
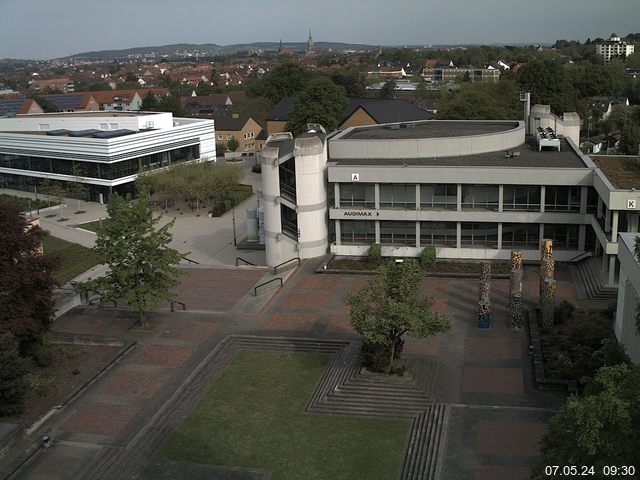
[588, 272]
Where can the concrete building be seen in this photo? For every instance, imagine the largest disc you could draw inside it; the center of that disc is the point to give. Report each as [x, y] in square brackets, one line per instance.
[614, 47]
[625, 326]
[105, 150]
[474, 189]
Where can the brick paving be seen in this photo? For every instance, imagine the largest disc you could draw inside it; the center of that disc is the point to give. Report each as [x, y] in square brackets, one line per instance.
[484, 377]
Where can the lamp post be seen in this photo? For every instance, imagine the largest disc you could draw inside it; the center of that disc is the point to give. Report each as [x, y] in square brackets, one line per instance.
[233, 219]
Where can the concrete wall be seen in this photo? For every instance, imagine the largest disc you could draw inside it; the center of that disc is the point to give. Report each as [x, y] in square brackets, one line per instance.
[628, 297]
[407, 148]
[85, 121]
[359, 117]
[568, 125]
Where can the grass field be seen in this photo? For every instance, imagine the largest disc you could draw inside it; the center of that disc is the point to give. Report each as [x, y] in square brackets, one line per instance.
[74, 259]
[254, 417]
[91, 226]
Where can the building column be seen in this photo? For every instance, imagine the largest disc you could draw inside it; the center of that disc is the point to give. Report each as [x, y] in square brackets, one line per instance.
[459, 198]
[378, 231]
[541, 234]
[336, 195]
[338, 233]
[614, 226]
[500, 231]
[418, 196]
[543, 191]
[418, 234]
[376, 196]
[582, 236]
[612, 271]
[458, 234]
[605, 257]
[500, 202]
[607, 221]
[584, 193]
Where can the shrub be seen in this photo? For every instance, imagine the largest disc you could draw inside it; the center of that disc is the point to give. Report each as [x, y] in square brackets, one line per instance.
[374, 256]
[428, 256]
[12, 372]
[40, 350]
[375, 357]
[564, 312]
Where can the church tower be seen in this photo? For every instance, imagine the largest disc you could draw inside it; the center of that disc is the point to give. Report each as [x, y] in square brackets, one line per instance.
[310, 43]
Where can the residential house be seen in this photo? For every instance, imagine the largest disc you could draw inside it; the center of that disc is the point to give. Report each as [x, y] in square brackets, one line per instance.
[63, 84]
[10, 107]
[605, 104]
[209, 105]
[73, 102]
[243, 128]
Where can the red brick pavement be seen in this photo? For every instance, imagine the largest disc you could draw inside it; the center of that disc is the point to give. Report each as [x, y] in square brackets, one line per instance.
[493, 380]
[321, 282]
[509, 438]
[100, 418]
[339, 324]
[215, 289]
[429, 346]
[185, 330]
[94, 323]
[307, 299]
[290, 321]
[163, 355]
[134, 384]
[491, 472]
[495, 348]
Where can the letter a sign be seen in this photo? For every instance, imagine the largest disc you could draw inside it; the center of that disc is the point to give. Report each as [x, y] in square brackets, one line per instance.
[355, 177]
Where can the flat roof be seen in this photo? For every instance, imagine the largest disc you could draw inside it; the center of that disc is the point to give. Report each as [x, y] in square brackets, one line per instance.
[622, 171]
[529, 157]
[100, 113]
[429, 129]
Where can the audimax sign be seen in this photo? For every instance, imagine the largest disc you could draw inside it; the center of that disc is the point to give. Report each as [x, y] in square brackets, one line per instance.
[360, 213]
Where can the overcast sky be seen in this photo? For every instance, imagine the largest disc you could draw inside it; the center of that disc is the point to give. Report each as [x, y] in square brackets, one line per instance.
[42, 29]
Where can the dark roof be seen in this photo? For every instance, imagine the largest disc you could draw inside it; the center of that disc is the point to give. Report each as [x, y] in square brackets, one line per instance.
[388, 110]
[432, 129]
[382, 110]
[11, 106]
[69, 101]
[230, 123]
[622, 171]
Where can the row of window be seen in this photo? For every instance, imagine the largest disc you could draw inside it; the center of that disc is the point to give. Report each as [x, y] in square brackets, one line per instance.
[481, 197]
[106, 171]
[444, 234]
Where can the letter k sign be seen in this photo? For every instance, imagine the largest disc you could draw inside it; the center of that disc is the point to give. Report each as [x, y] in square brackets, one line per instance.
[355, 177]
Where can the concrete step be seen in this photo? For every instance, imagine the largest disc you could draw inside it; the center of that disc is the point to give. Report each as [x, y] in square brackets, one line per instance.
[424, 444]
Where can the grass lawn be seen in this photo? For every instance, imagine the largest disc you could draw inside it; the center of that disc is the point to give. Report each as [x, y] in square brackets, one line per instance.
[254, 417]
[91, 226]
[74, 259]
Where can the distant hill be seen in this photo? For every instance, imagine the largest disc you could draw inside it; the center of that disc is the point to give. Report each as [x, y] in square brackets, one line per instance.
[211, 49]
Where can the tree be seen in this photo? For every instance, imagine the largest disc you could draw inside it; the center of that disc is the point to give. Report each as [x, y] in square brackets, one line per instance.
[599, 428]
[630, 141]
[221, 148]
[232, 144]
[26, 282]
[149, 103]
[142, 268]
[391, 305]
[78, 188]
[171, 104]
[352, 79]
[321, 101]
[482, 101]
[388, 90]
[286, 80]
[549, 84]
[12, 370]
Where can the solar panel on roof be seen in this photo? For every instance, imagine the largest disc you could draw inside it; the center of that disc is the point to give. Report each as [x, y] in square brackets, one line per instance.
[65, 102]
[10, 106]
[84, 133]
[58, 132]
[113, 133]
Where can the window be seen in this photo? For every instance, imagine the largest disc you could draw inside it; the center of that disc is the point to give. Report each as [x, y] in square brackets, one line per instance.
[44, 126]
[287, 171]
[565, 237]
[289, 220]
[562, 199]
[357, 195]
[113, 126]
[480, 235]
[520, 235]
[521, 197]
[220, 137]
[480, 197]
[357, 232]
[104, 126]
[439, 196]
[398, 195]
[442, 234]
[398, 233]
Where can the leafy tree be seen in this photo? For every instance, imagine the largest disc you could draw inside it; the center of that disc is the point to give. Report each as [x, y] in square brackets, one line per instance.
[633, 60]
[599, 428]
[321, 101]
[630, 141]
[142, 268]
[286, 80]
[12, 371]
[232, 144]
[388, 90]
[482, 101]
[254, 107]
[171, 103]
[221, 148]
[392, 304]
[352, 79]
[26, 282]
[149, 103]
[549, 84]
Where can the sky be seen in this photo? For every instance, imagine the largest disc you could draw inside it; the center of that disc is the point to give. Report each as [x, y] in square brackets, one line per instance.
[44, 29]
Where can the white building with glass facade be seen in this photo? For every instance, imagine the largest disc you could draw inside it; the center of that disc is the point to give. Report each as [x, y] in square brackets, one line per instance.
[105, 150]
[474, 189]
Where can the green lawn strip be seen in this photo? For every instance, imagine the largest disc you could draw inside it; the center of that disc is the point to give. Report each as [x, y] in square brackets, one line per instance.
[254, 417]
[91, 226]
[74, 259]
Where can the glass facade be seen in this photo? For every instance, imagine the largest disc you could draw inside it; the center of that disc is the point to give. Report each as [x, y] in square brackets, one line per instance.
[484, 235]
[562, 199]
[441, 234]
[353, 232]
[287, 171]
[565, 237]
[521, 197]
[439, 196]
[398, 195]
[398, 233]
[100, 170]
[480, 197]
[520, 235]
[289, 219]
[357, 195]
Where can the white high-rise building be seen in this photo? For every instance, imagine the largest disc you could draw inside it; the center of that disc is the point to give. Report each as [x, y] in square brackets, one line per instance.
[614, 47]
